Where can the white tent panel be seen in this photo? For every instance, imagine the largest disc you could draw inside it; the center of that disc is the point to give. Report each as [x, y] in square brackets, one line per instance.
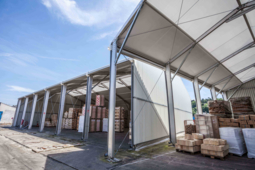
[204, 14]
[233, 82]
[246, 75]
[241, 60]
[250, 17]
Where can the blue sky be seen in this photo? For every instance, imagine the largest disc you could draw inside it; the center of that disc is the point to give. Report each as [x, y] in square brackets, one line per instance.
[43, 42]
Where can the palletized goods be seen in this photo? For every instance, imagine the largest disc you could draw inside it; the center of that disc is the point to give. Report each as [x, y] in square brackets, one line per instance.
[99, 112]
[93, 112]
[119, 113]
[249, 137]
[105, 125]
[215, 148]
[235, 140]
[54, 119]
[47, 123]
[98, 125]
[207, 125]
[104, 113]
[219, 108]
[99, 100]
[70, 123]
[188, 145]
[242, 106]
[65, 114]
[119, 125]
[92, 125]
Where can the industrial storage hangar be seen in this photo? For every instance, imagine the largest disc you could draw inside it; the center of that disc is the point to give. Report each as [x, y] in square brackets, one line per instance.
[140, 88]
[209, 42]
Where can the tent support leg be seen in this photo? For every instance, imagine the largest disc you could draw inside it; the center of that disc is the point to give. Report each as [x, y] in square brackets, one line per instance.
[225, 96]
[197, 95]
[33, 111]
[14, 123]
[213, 93]
[85, 132]
[61, 109]
[24, 112]
[112, 101]
[44, 111]
[170, 105]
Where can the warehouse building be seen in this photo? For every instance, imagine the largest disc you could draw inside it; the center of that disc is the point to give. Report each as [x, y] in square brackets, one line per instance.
[140, 88]
[6, 113]
[210, 43]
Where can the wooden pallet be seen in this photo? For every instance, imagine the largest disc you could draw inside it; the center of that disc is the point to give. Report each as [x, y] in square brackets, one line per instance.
[213, 157]
[192, 153]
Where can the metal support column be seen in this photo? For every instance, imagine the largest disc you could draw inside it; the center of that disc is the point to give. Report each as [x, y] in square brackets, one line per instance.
[85, 132]
[213, 93]
[24, 112]
[112, 101]
[14, 123]
[33, 111]
[170, 105]
[44, 111]
[225, 96]
[61, 109]
[197, 95]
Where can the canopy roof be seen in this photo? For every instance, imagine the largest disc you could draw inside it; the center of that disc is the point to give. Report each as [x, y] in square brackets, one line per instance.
[77, 86]
[208, 31]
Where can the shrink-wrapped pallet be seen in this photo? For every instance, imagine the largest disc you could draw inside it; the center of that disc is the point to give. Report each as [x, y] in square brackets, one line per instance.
[249, 137]
[235, 140]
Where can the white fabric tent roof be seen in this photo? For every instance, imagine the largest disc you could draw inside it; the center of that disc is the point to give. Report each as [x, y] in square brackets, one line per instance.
[166, 30]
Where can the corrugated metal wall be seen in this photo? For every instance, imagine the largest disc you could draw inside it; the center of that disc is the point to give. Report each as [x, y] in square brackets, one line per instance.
[247, 90]
[150, 103]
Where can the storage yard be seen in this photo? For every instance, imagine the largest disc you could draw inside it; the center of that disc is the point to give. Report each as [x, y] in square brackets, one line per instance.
[139, 110]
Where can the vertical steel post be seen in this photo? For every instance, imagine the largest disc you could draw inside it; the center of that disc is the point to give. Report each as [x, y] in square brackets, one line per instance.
[132, 102]
[225, 96]
[170, 105]
[24, 112]
[33, 111]
[61, 109]
[213, 93]
[85, 132]
[14, 123]
[197, 96]
[112, 101]
[44, 111]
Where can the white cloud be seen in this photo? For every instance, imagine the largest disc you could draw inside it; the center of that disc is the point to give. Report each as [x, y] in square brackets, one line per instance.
[20, 89]
[103, 13]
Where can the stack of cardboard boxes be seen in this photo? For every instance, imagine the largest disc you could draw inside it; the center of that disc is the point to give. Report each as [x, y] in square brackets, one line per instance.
[215, 147]
[207, 125]
[119, 119]
[220, 108]
[191, 143]
[243, 121]
[242, 106]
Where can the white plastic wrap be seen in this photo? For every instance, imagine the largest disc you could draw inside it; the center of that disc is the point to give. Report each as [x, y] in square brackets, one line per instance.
[235, 139]
[249, 137]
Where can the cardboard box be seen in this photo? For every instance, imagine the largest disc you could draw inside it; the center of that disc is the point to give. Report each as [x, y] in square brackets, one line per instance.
[198, 136]
[250, 122]
[252, 117]
[99, 112]
[244, 117]
[185, 142]
[105, 125]
[212, 141]
[189, 137]
[221, 119]
[99, 100]
[234, 120]
[245, 126]
[243, 122]
[92, 125]
[227, 120]
[188, 148]
[214, 147]
[214, 153]
[98, 125]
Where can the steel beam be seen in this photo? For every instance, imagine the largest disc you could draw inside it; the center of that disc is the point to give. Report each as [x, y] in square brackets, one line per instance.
[85, 132]
[61, 109]
[112, 100]
[170, 105]
[208, 77]
[44, 111]
[128, 33]
[33, 111]
[197, 96]
[124, 83]
[213, 93]
[24, 112]
[225, 96]
[132, 104]
[99, 81]
[235, 91]
[224, 86]
[241, 14]
[14, 123]
[183, 62]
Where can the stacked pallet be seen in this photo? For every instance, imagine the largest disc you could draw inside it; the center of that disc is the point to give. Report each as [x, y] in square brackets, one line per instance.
[191, 143]
[243, 121]
[228, 122]
[207, 125]
[119, 119]
[54, 119]
[99, 100]
[78, 120]
[242, 106]
[69, 120]
[95, 119]
[126, 118]
[189, 127]
[220, 108]
[214, 148]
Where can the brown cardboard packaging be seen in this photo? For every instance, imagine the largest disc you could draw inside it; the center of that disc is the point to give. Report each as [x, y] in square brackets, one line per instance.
[92, 125]
[99, 112]
[212, 141]
[214, 153]
[250, 122]
[189, 137]
[198, 136]
[245, 126]
[214, 147]
[234, 120]
[244, 117]
[243, 122]
[99, 100]
[227, 120]
[252, 117]
[222, 119]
